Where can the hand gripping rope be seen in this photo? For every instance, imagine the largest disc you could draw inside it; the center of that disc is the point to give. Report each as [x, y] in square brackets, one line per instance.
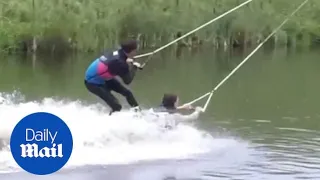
[236, 68]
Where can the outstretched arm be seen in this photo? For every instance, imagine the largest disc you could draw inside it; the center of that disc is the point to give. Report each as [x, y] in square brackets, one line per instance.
[187, 118]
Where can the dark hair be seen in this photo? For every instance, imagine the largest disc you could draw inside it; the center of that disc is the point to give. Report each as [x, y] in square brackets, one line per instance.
[129, 46]
[168, 100]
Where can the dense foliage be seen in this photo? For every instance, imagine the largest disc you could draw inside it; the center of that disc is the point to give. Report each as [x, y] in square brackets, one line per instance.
[57, 25]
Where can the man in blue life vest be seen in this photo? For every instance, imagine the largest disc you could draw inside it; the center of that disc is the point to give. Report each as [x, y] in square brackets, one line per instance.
[100, 75]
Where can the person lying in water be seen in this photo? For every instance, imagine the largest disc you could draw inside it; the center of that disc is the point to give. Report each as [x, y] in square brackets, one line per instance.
[170, 105]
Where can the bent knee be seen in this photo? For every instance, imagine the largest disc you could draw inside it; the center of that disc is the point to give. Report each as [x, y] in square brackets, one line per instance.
[117, 107]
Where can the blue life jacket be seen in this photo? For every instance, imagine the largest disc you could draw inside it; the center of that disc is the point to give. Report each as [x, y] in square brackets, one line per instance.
[108, 66]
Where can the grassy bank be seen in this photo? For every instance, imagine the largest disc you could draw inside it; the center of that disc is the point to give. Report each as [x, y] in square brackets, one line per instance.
[62, 25]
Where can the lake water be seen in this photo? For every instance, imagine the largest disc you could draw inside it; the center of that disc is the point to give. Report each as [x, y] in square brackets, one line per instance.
[263, 123]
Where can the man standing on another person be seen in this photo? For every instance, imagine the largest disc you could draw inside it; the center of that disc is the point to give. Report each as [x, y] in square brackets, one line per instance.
[100, 75]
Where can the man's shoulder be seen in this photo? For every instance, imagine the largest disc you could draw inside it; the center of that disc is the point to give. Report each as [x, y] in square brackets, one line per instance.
[112, 57]
[164, 110]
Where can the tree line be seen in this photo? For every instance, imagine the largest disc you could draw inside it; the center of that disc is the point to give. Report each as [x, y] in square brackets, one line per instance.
[81, 25]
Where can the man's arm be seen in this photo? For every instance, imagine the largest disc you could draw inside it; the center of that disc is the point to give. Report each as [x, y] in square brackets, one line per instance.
[191, 117]
[187, 118]
[129, 72]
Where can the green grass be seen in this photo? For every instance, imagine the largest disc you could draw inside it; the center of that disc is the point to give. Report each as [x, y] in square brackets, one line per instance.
[81, 25]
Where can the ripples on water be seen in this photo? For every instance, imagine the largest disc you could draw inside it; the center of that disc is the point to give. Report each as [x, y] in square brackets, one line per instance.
[273, 152]
[122, 139]
[289, 152]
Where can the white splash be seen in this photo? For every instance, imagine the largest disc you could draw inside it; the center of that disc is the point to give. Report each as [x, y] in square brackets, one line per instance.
[102, 139]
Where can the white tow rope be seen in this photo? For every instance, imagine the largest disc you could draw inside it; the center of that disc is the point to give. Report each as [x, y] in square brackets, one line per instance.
[236, 68]
[150, 54]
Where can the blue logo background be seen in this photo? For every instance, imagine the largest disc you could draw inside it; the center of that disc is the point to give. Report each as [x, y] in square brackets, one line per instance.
[38, 122]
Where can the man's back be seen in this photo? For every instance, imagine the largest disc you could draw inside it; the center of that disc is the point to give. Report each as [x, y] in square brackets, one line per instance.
[107, 67]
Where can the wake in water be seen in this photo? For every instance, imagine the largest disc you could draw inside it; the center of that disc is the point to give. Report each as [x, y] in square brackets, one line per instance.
[103, 139]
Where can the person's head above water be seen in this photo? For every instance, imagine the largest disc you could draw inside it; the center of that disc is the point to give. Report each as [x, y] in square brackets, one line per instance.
[170, 101]
[130, 48]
